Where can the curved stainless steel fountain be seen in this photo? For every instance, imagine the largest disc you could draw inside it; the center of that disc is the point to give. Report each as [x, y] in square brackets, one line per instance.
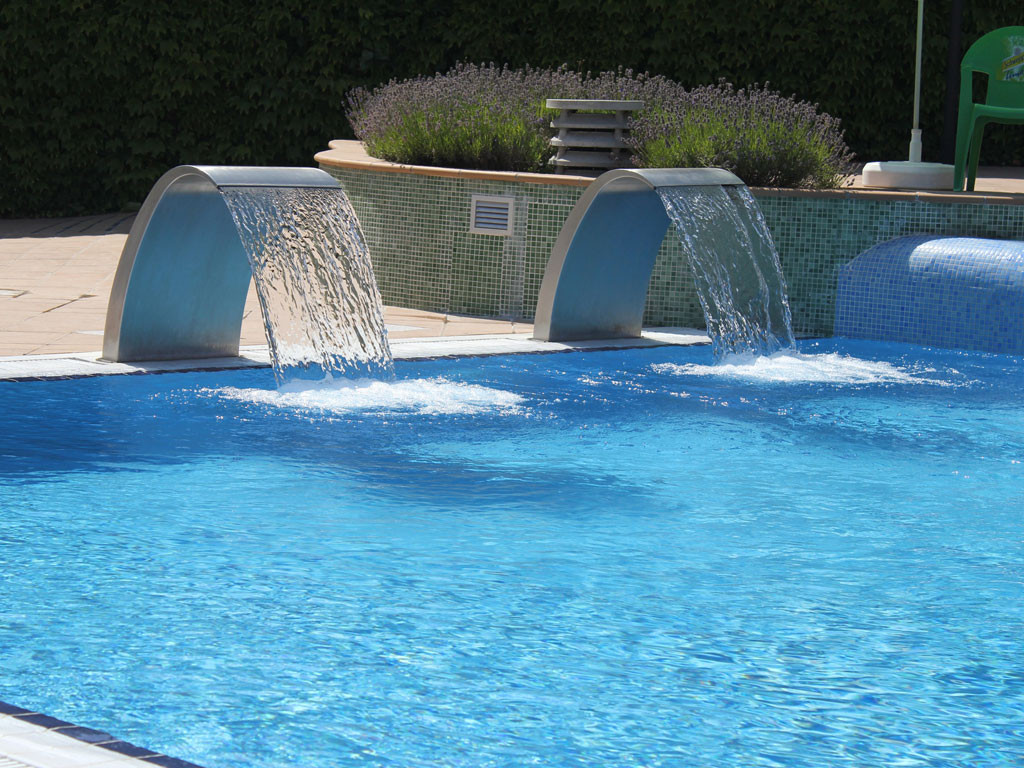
[180, 287]
[595, 284]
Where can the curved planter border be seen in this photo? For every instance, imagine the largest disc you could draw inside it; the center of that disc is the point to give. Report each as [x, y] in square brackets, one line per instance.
[416, 222]
[350, 154]
[344, 153]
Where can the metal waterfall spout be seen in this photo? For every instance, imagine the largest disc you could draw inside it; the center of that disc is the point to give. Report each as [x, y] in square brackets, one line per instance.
[596, 280]
[181, 283]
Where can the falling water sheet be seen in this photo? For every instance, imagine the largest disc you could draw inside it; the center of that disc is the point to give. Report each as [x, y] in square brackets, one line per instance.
[736, 268]
[312, 272]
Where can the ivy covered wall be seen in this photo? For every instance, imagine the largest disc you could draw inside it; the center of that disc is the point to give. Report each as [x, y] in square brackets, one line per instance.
[99, 97]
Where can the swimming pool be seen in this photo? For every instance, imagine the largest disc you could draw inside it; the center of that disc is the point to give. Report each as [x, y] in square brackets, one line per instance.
[628, 558]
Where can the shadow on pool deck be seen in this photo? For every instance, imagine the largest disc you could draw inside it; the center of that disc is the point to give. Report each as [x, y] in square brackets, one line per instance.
[55, 278]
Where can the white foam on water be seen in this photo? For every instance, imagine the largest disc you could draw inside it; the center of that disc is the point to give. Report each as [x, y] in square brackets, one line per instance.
[416, 396]
[796, 368]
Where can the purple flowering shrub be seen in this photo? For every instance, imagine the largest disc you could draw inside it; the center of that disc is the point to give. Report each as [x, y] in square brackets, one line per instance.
[493, 118]
[765, 138]
[484, 117]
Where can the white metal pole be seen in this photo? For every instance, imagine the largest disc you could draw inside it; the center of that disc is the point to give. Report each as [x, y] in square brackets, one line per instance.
[915, 133]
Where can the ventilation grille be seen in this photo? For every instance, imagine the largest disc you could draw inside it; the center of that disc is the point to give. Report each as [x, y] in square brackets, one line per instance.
[491, 215]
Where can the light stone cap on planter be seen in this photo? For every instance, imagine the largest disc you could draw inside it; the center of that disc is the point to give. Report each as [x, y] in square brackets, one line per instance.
[347, 153]
[1001, 190]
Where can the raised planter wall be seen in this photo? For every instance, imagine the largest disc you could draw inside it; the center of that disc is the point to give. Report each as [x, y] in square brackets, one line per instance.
[417, 224]
[817, 233]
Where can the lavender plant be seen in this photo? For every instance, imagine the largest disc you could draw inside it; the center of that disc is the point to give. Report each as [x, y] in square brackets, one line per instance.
[493, 118]
[765, 138]
[484, 117]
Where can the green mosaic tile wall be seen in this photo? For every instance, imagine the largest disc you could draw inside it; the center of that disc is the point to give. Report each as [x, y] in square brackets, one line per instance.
[424, 256]
[816, 236]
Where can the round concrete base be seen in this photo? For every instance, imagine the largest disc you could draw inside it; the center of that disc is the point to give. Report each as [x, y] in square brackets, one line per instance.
[908, 175]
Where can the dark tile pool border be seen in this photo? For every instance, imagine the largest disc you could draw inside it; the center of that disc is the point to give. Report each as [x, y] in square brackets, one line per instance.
[94, 737]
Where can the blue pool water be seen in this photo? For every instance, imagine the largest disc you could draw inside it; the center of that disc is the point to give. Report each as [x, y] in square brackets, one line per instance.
[603, 559]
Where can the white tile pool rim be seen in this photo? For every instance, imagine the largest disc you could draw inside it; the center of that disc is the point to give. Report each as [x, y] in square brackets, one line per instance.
[33, 740]
[87, 364]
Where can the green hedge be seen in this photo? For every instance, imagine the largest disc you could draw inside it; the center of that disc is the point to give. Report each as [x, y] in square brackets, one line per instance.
[97, 99]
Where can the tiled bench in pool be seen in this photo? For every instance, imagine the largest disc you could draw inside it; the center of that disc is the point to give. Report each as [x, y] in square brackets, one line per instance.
[954, 292]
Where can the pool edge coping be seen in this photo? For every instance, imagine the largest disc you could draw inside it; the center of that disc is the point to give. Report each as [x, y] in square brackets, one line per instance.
[38, 748]
[79, 365]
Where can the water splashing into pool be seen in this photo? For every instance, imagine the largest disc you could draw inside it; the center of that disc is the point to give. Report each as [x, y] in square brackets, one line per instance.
[735, 266]
[435, 396]
[321, 305]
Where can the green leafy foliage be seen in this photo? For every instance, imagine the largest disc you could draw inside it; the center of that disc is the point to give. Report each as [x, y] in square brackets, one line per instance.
[483, 117]
[493, 118]
[98, 98]
[475, 138]
[765, 138]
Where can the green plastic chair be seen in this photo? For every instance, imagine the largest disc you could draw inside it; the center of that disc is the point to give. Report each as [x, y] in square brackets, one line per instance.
[1000, 55]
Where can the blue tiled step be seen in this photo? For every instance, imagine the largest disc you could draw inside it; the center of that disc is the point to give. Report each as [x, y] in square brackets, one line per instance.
[954, 292]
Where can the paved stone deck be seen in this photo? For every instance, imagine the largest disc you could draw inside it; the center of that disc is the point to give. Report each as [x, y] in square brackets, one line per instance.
[55, 278]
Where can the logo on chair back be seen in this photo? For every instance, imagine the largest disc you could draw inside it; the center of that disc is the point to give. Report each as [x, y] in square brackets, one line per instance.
[1012, 67]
